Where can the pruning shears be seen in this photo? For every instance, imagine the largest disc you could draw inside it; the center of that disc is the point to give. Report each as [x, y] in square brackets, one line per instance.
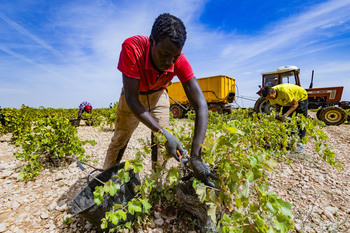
[182, 160]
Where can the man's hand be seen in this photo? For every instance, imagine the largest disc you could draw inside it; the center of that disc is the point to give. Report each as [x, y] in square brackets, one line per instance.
[201, 171]
[172, 144]
[281, 118]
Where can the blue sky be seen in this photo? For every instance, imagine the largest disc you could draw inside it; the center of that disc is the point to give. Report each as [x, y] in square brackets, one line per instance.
[60, 53]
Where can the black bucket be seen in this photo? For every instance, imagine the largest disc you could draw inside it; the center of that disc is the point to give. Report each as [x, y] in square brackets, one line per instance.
[2, 119]
[75, 122]
[84, 205]
[89, 122]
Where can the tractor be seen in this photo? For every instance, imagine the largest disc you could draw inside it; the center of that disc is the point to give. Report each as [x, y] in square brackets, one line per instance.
[326, 100]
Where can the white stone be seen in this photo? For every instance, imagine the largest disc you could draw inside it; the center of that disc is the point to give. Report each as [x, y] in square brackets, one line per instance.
[328, 215]
[332, 210]
[15, 205]
[159, 221]
[157, 215]
[44, 215]
[157, 230]
[6, 173]
[62, 208]
[53, 205]
[88, 225]
[2, 227]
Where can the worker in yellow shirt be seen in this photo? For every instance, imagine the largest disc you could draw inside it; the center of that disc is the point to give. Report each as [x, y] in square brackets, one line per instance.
[292, 98]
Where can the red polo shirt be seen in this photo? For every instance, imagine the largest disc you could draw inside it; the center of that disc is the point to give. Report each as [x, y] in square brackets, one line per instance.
[134, 62]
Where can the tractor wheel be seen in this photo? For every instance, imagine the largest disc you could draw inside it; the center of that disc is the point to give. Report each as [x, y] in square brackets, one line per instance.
[318, 113]
[215, 108]
[176, 110]
[333, 115]
[262, 106]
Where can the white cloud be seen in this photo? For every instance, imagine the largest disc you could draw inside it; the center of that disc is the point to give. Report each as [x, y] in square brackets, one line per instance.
[86, 39]
[23, 31]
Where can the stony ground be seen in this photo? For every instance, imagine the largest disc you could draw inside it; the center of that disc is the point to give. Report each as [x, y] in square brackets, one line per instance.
[319, 193]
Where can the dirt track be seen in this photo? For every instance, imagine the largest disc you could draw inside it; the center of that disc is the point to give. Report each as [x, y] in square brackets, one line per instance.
[319, 193]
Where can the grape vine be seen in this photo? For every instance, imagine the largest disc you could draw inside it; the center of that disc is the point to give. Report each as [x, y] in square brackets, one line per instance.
[241, 148]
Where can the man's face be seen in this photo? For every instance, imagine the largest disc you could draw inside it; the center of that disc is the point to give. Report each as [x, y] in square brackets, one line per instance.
[164, 53]
[271, 96]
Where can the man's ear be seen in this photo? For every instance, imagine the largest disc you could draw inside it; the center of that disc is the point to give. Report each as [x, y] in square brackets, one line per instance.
[274, 93]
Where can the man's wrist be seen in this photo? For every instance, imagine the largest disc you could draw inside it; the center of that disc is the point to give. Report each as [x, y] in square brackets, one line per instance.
[195, 157]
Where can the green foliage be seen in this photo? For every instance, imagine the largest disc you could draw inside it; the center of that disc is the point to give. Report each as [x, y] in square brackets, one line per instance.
[17, 122]
[67, 220]
[348, 114]
[47, 137]
[104, 116]
[43, 140]
[242, 148]
[20, 120]
[50, 141]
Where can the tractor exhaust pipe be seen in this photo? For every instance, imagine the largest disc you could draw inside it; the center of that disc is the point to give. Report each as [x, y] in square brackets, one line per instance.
[312, 79]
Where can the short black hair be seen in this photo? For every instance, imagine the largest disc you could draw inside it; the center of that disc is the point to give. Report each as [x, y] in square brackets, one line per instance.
[267, 91]
[169, 25]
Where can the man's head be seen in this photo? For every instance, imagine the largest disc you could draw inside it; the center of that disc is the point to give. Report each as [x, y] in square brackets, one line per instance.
[268, 93]
[88, 108]
[167, 38]
[167, 25]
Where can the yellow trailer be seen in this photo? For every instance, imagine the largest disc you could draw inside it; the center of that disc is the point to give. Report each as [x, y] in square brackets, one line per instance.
[219, 91]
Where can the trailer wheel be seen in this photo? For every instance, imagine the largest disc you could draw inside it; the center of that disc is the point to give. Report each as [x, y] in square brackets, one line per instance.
[262, 105]
[215, 108]
[227, 111]
[176, 110]
[333, 115]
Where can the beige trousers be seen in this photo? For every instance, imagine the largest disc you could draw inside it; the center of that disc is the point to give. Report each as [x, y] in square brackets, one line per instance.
[126, 123]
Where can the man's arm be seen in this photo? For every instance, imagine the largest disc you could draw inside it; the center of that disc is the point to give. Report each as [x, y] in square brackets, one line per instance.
[195, 96]
[277, 108]
[131, 89]
[198, 102]
[294, 106]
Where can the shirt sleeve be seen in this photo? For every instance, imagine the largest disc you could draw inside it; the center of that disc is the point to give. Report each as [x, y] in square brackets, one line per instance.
[127, 62]
[183, 69]
[81, 108]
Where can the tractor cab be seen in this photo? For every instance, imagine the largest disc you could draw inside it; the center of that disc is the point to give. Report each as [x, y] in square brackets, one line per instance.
[284, 74]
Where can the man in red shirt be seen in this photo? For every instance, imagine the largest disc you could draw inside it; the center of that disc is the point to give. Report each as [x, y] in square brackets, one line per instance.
[148, 64]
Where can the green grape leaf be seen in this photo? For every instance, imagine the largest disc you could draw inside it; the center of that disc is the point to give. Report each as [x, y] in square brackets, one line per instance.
[201, 191]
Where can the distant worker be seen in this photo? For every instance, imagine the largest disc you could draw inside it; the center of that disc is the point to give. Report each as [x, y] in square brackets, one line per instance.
[148, 64]
[292, 98]
[84, 107]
